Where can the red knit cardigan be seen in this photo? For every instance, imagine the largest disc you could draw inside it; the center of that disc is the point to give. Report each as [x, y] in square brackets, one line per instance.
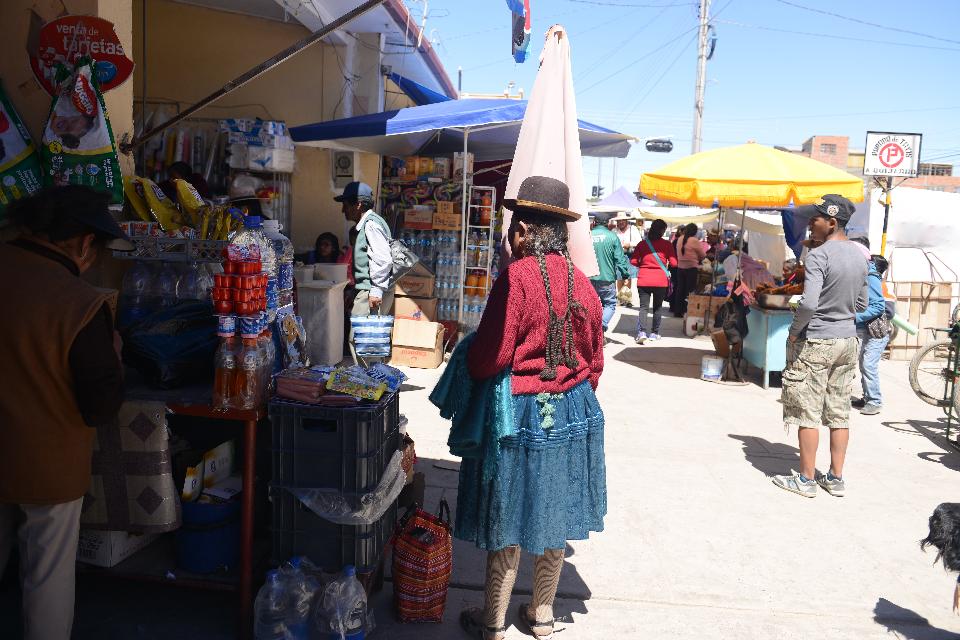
[513, 330]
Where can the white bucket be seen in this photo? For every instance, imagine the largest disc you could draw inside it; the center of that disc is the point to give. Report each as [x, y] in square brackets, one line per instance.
[330, 271]
[711, 368]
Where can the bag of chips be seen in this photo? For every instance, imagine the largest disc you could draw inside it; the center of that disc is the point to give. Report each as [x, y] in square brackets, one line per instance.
[20, 172]
[78, 145]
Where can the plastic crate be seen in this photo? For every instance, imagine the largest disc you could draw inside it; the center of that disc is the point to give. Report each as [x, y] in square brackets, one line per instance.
[346, 449]
[298, 531]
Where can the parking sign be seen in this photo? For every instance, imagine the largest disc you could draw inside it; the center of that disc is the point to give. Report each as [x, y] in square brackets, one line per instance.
[892, 154]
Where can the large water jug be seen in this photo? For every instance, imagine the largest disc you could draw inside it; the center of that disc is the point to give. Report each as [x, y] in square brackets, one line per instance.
[270, 609]
[341, 612]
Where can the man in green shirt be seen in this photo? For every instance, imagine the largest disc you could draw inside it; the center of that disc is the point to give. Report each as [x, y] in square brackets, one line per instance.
[612, 262]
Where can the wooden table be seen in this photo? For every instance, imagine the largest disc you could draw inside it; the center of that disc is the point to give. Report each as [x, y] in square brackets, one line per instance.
[765, 346]
[249, 418]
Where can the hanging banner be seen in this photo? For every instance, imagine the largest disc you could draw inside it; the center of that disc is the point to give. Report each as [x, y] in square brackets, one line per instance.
[78, 145]
[520, 36]
[69, 38]
[20, 174]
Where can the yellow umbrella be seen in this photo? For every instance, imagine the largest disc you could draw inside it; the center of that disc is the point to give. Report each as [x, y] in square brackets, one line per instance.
[748, 175]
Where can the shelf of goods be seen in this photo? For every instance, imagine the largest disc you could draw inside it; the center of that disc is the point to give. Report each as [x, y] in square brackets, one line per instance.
[173, 249]
[479, 245]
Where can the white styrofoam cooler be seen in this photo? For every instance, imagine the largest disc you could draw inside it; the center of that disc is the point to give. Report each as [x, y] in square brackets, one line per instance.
[321, 309]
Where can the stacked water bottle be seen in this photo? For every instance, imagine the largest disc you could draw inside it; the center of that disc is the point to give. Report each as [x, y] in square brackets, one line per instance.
[293, 605]
[148, 288]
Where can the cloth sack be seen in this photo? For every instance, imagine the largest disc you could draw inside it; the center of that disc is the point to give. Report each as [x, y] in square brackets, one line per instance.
[422, 564]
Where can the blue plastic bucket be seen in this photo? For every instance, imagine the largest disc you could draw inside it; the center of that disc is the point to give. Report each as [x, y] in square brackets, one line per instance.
[209, 539]
[711, 368]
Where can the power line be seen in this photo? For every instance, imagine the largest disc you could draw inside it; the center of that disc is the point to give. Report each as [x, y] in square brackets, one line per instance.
[630, 64]
[631, 4]
[836, 37]
[653, 86]
[864, 22]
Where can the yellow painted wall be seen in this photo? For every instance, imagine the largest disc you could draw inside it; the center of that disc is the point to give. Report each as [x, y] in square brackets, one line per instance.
[30, 100]
[192, 51]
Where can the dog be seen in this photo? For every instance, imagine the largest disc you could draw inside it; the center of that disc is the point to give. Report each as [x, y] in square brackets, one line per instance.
[944, 536]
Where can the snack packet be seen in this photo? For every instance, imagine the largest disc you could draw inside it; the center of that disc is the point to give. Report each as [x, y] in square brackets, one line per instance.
[356, 383]
[162, 208]
[78, 145]
[191, 202]
[20, 172]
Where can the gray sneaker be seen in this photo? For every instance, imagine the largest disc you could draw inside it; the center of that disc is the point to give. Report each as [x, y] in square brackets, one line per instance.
[793, 483]
[833, 486]
[870, 409]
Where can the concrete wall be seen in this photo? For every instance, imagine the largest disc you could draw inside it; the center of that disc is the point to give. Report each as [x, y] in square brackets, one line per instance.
[192, 51]
[30, 100]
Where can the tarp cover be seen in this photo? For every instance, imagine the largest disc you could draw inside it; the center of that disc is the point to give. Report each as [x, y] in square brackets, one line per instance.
[494, 126]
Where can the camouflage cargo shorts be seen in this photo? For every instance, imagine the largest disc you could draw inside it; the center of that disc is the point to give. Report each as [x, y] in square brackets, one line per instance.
[817, 382]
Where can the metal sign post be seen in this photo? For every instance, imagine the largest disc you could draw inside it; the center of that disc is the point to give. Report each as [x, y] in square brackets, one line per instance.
[891, 154]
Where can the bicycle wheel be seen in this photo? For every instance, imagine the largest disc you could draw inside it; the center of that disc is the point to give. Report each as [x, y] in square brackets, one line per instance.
[928, 373]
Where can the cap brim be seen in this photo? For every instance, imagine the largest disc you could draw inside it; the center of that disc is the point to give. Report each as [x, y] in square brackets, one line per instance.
[559, 212]
[808, 211]
[106, 225]
[339, 199]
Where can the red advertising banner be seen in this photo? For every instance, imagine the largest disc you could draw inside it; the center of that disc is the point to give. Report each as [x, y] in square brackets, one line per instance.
[69, 38]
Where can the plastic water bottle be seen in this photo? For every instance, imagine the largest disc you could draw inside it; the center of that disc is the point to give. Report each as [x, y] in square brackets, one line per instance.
[342, 611]
[135, 304]
[165, 284]
[195, 283]
[283, 250]
[270, 609]
[301, 586]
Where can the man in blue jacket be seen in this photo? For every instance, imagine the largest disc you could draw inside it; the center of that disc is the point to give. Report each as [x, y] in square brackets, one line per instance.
[872, 341]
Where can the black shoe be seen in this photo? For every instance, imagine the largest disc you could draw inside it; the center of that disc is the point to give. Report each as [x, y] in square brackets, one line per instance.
[857, 403]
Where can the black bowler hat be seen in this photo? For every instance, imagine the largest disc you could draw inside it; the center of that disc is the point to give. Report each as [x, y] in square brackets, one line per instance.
[829, 206]
[544, 195]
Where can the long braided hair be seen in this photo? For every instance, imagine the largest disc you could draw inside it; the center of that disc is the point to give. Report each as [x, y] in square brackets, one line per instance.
[546, 235]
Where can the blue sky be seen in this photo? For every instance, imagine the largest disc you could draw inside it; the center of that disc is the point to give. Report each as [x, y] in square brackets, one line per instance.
[634, 66]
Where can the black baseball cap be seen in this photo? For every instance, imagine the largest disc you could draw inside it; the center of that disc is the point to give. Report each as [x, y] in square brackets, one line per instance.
[828, 206]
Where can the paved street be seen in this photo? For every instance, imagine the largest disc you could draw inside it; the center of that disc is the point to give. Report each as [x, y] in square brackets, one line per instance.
[699, 543]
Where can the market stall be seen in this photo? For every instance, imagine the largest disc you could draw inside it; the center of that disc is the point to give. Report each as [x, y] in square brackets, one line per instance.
[744, 177]
[429, 156]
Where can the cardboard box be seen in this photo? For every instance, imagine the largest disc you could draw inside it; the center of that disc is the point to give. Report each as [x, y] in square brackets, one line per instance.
[416, 283]
[267, 159]
[441, 168]
[698, 305]
[447, 221]
[108, 548]
[449, 207]
[461, 163]
[417, 344]
[419, 218]
[421, 309]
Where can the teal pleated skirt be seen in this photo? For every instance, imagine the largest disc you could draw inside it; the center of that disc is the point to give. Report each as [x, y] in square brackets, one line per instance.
[549, 482]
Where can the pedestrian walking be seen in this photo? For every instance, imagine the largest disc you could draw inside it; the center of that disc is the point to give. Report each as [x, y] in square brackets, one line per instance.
[544, 480]
[652, 257]
[690, 254]
[822, 347]
[873, 329]
[59, 358]
[612, 263]
[372, 260]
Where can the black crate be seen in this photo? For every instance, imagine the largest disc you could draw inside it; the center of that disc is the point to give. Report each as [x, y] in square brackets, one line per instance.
[346, 449]
[298, 531]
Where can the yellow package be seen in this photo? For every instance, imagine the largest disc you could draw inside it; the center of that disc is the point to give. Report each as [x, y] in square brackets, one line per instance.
[162, 207]
[134, 192]
[190, 200]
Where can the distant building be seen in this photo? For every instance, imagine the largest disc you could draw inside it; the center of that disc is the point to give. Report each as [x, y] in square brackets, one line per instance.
[836, 151]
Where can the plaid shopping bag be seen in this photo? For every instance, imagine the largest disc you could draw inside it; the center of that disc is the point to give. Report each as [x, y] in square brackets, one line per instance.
[372, 335]
[422, 563]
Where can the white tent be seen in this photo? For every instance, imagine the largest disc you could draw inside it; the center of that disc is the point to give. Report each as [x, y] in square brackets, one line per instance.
[923, 234]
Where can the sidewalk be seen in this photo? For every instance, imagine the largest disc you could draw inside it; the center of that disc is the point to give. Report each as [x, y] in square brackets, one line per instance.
[698, 542]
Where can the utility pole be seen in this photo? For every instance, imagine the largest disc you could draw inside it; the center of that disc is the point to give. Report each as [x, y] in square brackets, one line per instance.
[701, 75]
[613, 185]
[599, 173]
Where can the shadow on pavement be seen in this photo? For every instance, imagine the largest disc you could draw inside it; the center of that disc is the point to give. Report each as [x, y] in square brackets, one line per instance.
[678, 362]
[935, 432]
[770, 458]
[469, 562]
[908, 624]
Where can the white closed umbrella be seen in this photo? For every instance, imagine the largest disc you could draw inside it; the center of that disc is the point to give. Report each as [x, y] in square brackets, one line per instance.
[549, 144]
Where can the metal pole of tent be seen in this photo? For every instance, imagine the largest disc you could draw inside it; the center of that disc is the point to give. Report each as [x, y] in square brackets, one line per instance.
[716, 263]
[743, 222]
[464, 221]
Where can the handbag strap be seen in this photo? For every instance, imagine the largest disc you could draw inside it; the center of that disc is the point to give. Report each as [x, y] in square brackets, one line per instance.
[656, 257]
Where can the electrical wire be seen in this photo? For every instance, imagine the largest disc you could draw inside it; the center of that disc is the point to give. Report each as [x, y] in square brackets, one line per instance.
[864, 22]
[656, 82]
[631, 4]
[836, 37]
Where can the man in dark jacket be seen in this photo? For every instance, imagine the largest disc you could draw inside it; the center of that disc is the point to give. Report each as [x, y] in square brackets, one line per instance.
[612, 262]
[60, 365]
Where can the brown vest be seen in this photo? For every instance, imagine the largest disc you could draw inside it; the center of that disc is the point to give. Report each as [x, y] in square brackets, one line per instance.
[45, 446]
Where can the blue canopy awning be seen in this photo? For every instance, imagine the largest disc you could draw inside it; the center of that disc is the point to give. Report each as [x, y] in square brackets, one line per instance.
[417, 92]
[492, 125]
